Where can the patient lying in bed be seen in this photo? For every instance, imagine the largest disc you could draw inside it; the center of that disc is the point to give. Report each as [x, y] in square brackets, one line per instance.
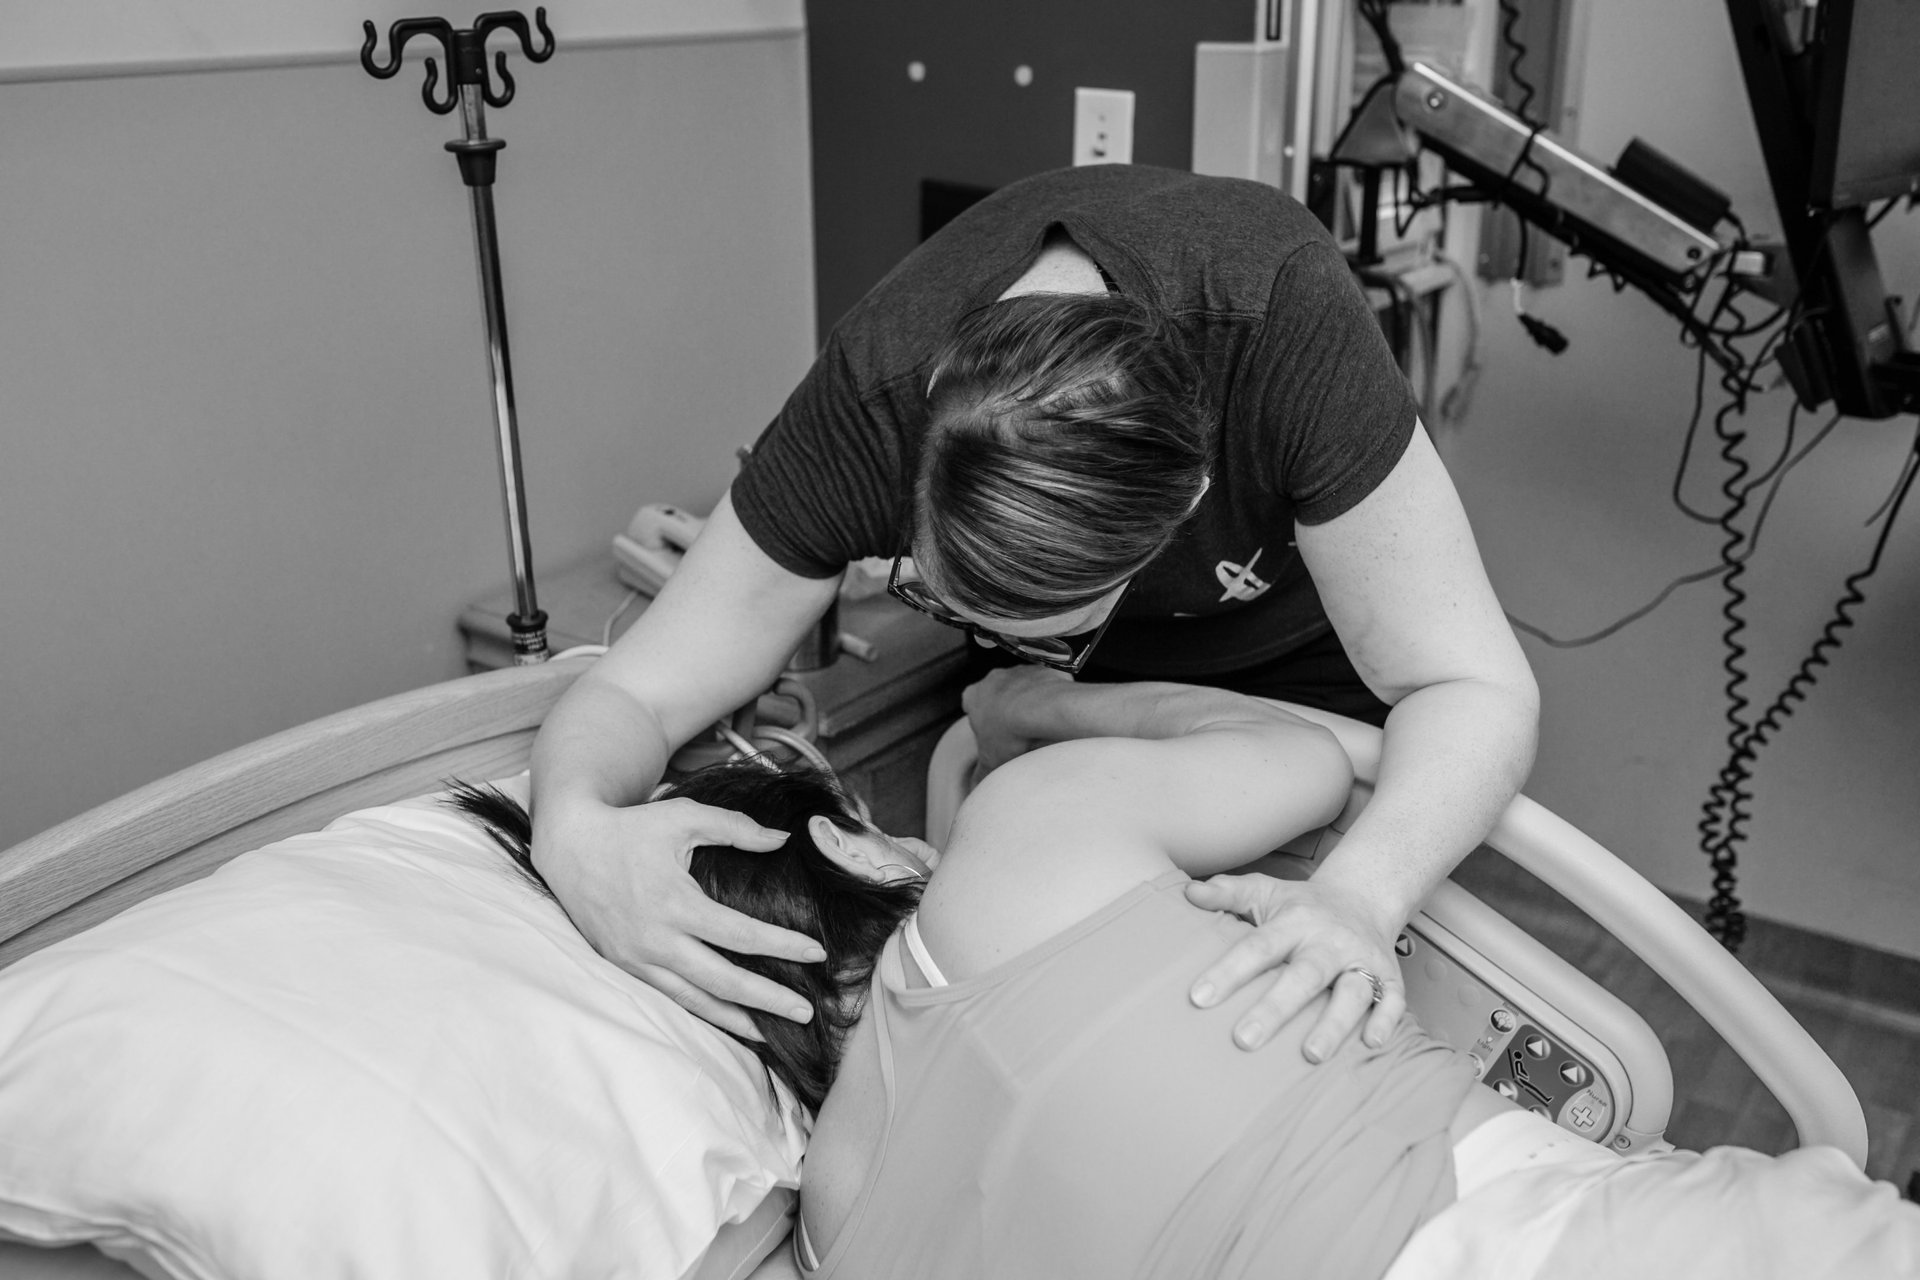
[1011, 1081]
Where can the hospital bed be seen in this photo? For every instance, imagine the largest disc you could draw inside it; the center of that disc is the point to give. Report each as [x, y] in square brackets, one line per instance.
[1543, 1033]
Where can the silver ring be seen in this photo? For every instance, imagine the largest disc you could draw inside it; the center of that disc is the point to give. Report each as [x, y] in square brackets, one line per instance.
[1379, 987]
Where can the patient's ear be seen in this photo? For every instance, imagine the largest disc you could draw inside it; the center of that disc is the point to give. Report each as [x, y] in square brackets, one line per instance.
[848, 850]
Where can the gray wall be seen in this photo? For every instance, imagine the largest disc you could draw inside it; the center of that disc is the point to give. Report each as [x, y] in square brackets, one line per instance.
[877, 133]
[1566, 464]
[248, 474]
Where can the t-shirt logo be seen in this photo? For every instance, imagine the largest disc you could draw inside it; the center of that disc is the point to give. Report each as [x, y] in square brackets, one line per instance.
[1241, 582]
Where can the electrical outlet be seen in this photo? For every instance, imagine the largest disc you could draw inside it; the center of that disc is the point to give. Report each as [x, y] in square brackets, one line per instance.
[1103, 126]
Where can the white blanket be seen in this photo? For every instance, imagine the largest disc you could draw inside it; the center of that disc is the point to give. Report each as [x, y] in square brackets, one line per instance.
[1579, 1213]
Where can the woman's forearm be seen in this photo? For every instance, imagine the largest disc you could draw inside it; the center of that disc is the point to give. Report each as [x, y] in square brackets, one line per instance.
[1043, 706]
[599, 744]
[1454, 755]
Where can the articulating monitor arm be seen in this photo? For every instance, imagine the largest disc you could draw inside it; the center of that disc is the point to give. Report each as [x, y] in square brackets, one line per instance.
[1630, 236]
[1844, 341]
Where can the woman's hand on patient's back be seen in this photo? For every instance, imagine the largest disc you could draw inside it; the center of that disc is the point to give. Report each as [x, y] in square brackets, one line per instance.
[622, 875]
[1313, 933]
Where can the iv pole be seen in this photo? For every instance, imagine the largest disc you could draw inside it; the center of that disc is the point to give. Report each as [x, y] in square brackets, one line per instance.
[466, 55]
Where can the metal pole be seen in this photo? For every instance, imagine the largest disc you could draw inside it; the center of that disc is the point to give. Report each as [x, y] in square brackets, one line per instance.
[466, 54]
[476, 155]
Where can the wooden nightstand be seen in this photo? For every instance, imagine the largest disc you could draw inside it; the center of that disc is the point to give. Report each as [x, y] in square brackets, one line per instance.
[878, 720]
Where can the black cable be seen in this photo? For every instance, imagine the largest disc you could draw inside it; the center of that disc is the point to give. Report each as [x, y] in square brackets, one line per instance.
[1732, 289]
[1778, 473]
[1793, 462]
[1786, 449]
[1686, 442]
[1621, 623]
[1525, 160]
[1729, 798]
[1516, 51]
[1729, 794]
[1749, 375]
[1459, 193]
[1735, 487]
[1729, 804]
[1375, 13]
[1719, 308]
[1543, 333]
[1728, 304]
[1750, 327]
[1893, 494]
[1408, 206]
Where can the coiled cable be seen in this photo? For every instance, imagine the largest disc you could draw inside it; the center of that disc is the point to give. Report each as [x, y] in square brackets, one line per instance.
[1729, 805]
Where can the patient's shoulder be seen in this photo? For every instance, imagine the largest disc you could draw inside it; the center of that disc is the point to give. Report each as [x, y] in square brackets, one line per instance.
[846, 1138]
[1059, 805]
[1088, 782]
[1042, 842]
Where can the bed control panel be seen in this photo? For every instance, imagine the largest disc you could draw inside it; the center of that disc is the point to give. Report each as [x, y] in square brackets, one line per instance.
[1548, 1080]
[1512, 1052]
[1531, 1051]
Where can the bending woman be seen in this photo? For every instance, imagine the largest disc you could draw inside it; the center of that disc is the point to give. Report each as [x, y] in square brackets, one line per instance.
[1021, 1085]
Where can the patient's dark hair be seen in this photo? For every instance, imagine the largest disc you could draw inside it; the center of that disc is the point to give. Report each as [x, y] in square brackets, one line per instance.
[1067, 440]
[794, 886]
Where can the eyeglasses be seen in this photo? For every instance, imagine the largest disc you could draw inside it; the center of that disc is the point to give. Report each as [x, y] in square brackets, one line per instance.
[1062, 653]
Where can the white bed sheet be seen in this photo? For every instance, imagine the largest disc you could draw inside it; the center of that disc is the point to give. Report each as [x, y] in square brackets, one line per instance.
[83, 1262]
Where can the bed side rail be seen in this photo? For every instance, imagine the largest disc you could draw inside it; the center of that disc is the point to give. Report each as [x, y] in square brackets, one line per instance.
[185, 825]
[1814, 1092]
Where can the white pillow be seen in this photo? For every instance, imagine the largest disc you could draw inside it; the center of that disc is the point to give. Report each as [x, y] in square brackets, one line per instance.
[373, 1051]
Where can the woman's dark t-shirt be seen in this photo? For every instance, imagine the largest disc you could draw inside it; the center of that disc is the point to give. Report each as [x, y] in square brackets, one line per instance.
[1312, 410]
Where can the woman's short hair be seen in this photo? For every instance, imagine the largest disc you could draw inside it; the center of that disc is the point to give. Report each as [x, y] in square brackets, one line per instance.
[1067, 439]
[795, 886]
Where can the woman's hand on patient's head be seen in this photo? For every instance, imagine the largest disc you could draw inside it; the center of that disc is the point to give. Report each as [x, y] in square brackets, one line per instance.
[1313, 933]
[1001, 706]
[621, 874]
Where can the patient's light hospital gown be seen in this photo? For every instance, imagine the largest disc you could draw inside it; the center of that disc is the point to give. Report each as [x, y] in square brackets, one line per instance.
[1069, 1113]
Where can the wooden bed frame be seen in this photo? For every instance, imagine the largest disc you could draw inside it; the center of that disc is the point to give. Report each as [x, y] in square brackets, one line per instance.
[185, 825]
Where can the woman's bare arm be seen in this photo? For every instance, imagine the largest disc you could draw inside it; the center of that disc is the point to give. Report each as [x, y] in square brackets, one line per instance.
[1404, 586]
[718, 635]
